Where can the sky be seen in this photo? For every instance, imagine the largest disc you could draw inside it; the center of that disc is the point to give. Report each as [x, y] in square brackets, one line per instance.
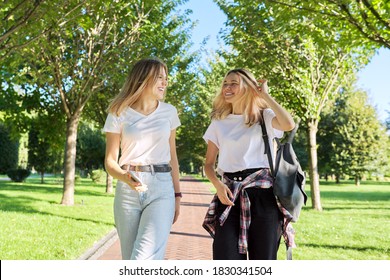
[374, 78]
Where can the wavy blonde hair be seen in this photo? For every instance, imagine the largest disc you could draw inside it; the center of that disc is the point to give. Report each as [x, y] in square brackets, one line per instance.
[144, 73]
[250, 100]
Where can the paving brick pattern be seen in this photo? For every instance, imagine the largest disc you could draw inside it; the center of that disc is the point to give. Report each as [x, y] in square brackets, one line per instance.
[188, 240]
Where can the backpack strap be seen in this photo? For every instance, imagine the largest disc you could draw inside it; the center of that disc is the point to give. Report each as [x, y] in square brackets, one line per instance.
[292, 133]
[267, 149]
[288, 253]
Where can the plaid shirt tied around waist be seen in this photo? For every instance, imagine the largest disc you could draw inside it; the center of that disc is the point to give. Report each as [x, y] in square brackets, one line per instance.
[259, 179]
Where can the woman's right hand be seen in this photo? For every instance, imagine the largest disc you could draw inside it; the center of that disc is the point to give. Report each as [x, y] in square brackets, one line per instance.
[132, 183]
[224, 194]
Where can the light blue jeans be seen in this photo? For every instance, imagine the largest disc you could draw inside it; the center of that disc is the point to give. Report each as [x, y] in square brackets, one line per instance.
[144, 219]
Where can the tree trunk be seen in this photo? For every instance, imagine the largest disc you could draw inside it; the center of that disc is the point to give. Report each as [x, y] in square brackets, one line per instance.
[202, 171]
[70, 159]
[313, 165]
[109, 188]
[42, 177]
[357, 180]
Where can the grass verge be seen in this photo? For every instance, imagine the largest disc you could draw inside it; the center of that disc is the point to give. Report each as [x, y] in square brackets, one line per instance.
[34, 226]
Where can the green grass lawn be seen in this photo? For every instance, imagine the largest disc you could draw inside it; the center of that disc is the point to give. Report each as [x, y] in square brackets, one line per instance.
[34, 226]
[354, 225]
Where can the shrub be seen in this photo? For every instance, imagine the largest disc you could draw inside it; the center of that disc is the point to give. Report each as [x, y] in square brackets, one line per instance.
[99, 176]
[18, 175]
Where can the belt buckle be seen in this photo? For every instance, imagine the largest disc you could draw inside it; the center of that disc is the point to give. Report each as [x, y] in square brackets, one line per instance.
[136, 168]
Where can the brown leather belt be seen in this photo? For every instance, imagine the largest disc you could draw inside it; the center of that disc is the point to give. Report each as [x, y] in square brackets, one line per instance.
[148, 168]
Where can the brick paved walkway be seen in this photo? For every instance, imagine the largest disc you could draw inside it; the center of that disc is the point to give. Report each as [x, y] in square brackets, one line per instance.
[188, 240]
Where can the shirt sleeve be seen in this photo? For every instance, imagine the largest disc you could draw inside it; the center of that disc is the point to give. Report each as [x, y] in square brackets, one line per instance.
[112, 124]
[268, 117]
[175, 121]
[211, 134]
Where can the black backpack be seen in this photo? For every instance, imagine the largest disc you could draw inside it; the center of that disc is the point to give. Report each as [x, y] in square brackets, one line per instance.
[289, 179]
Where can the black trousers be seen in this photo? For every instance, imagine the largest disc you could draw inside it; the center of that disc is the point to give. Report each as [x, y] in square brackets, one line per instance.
[264, 232]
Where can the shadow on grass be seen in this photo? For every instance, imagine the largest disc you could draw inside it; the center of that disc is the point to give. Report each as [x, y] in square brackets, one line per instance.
[351, 183]
[343, 247]
[348, 193]
[52, 186]
[22, 204]
[357, 207]
[356, 195]
[18, 198]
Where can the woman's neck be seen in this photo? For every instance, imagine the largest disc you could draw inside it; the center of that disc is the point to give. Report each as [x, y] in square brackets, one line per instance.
[145, 106]
[237, 110]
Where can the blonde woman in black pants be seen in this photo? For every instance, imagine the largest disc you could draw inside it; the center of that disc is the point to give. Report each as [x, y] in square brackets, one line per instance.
[244, 217]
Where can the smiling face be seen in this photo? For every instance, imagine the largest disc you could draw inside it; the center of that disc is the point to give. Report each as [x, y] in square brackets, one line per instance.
[231, 88]
[159, 88]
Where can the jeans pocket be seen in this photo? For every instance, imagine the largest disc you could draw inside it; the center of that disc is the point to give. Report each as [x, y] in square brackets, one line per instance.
[164, 176]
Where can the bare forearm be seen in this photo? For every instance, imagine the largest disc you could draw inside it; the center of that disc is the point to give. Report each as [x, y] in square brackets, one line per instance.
[284, 118]
[175, 174]
[210, 174]
[114, 170]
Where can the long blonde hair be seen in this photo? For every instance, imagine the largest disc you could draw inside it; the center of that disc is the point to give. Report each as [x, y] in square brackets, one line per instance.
[144, 72]
[251, 99]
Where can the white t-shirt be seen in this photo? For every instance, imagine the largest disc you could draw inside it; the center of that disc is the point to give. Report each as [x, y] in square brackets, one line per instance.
[144, 138]
[241, 147]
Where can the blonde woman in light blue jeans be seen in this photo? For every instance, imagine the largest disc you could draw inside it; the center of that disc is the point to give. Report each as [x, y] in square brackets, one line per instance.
[142, 129]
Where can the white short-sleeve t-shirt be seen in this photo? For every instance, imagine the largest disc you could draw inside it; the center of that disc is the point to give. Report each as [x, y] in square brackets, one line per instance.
[241, 147]
[144, 138]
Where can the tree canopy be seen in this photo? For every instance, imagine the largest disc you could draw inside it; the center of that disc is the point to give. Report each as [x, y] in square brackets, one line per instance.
[63, 61]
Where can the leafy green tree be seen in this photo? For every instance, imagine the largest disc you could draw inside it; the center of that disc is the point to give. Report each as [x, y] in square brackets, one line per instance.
[25, 111]
[328, 137]
[69, 62]
[305, 63]
[90, 148]
[25, 21]
[355, 140]
[368, 19]
[387, 166]
[45, 146]
[38, 153]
